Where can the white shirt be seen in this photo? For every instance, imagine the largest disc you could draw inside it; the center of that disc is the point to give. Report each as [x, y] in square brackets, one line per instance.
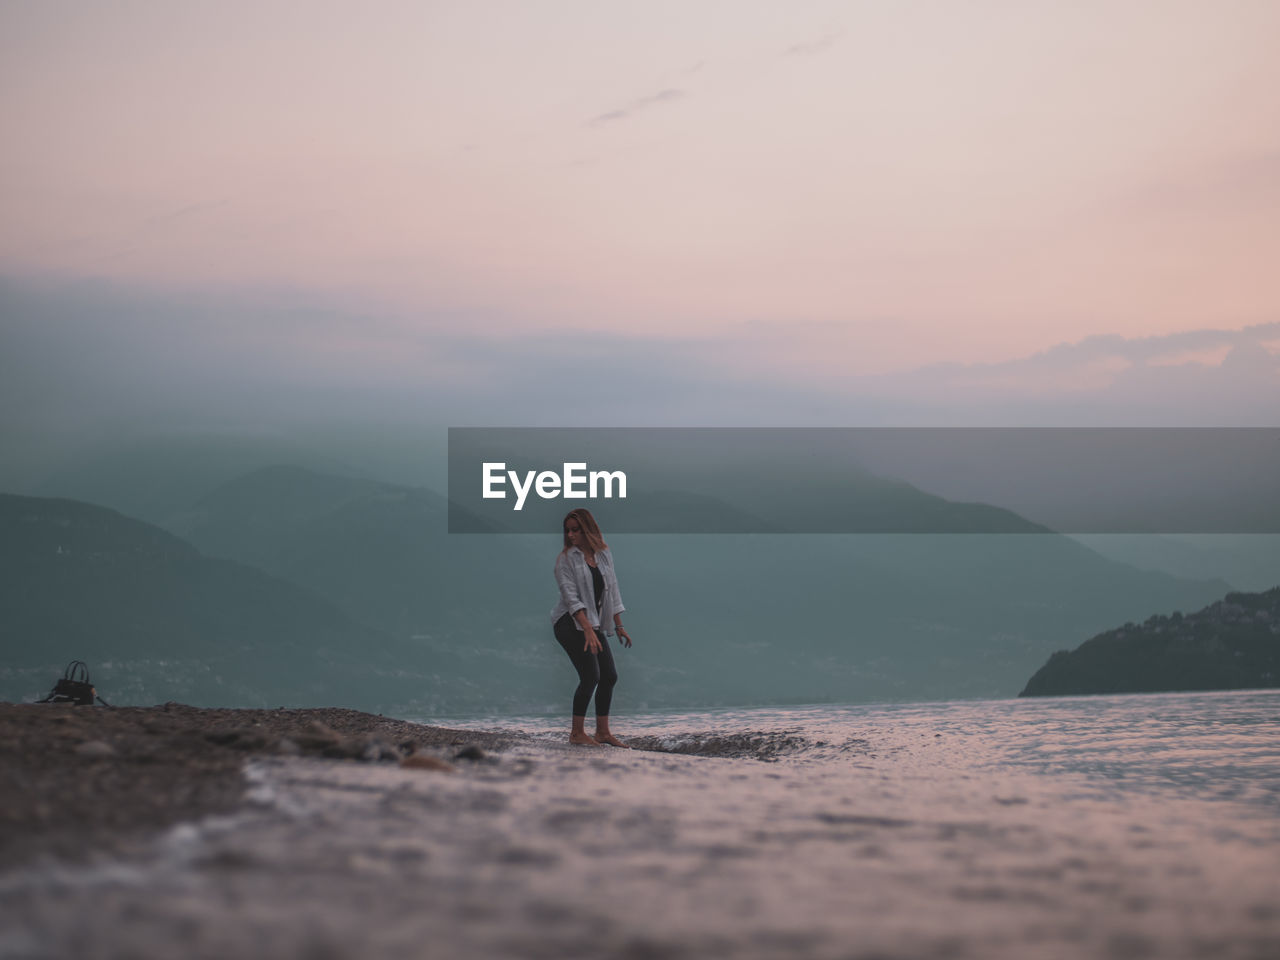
[576, 592]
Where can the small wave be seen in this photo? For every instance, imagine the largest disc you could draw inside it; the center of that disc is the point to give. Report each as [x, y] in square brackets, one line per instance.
[767, 745]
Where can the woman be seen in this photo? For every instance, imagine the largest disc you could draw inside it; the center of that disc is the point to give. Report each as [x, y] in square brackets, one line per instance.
[589, 599]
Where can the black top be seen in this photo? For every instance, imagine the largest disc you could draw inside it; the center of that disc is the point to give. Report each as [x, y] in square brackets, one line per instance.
[597, 586]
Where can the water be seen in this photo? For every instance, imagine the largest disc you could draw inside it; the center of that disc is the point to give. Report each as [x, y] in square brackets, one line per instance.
[1122, 827]
[1219, 745]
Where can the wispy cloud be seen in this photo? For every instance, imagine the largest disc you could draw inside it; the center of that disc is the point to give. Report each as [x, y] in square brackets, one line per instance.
[811, 48]
[628, 111]
[1156, 349]
[1244, 180]
[1208, 377]
[132, 361]
[183, 213]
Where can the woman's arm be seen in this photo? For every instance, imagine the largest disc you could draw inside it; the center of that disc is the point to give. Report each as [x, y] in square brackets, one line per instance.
[618, 628]
[621, 631]
[573, 600]
[592, 644]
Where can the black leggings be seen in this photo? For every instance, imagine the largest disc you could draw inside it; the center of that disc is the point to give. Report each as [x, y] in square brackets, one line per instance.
[595, 670]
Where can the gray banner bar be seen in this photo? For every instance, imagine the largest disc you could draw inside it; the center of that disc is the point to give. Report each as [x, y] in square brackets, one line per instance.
[867, 480]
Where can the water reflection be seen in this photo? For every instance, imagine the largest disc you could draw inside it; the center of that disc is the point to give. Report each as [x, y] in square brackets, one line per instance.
[1216, 746]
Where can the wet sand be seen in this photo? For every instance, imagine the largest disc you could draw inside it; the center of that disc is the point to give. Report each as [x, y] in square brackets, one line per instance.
[898, 845]
[79, 781]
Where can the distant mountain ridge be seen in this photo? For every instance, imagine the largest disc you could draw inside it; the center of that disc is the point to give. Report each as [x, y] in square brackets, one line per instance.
[721, 619]
[1232, 644]
[158, 620]
[428, 623]
[380, 551]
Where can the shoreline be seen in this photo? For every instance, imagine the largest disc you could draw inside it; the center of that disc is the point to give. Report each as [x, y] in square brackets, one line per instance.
[902, 835]
[82, 781]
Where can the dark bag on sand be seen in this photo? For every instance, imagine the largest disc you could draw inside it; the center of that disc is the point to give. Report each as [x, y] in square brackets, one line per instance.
[74, 687]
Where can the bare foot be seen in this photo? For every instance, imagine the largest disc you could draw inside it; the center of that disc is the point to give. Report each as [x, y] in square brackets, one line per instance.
[585, 739]
[610, 739]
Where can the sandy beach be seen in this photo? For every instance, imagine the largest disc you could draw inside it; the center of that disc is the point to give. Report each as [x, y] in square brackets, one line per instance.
[80, 781]
[306, 833]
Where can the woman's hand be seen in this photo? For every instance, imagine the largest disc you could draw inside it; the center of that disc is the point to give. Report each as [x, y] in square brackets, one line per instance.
[593, 642]
[623, 635]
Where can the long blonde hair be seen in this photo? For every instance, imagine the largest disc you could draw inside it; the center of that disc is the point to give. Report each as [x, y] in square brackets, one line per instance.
[590, 529]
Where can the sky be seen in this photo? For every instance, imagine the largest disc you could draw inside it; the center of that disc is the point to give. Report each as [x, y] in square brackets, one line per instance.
[814, 211]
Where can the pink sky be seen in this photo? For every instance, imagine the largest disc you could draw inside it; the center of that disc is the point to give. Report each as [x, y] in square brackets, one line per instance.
[857, 187]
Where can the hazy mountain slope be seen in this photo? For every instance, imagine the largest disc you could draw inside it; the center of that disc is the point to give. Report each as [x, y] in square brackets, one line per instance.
[157, 620]
[381, 552]
[722, 619]
[1229, 645]
[1249, 562]
[156, 479]
[879, 617]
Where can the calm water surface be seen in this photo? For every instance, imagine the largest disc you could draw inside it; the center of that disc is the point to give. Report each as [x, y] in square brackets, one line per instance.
[1215, 746]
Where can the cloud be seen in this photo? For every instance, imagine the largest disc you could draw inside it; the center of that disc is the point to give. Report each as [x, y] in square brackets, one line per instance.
[183, 213]
[1207, 377]
[631, 109]
[1156, 349]
[1243, 181]
[1205, 347]
[91, 359]
[811, 48]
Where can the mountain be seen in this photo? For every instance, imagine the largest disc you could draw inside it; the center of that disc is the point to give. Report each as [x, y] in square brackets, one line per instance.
[156, 479]
[1232, 644]
[428, 623]
[379, 551]
[719, 619]
[157, 620]
[1249, 562]
[876, 617]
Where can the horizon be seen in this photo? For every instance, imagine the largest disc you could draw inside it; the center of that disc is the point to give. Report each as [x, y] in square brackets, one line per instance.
[627, 216]
[89, 366]
[264, 264]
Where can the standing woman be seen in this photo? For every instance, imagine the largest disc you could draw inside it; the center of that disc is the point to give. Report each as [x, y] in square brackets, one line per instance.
[589, 600]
